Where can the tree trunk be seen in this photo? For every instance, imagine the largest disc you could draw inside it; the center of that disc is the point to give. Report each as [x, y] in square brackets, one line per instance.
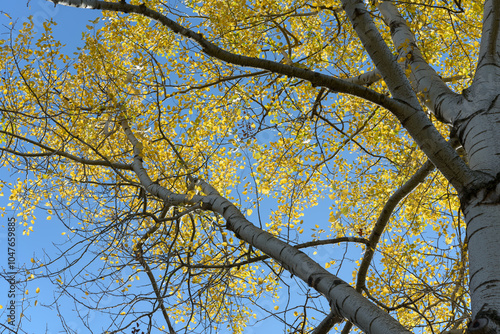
[478, 132]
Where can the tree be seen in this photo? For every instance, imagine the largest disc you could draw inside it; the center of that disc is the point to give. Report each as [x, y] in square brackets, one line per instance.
[159, 139]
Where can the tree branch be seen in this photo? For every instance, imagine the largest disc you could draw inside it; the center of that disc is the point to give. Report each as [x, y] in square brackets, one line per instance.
[381, 223]
[413, 118]
[488, 52]
[487, 70]
[327, 324]
[210, 49]
[405, 106]
[384, 217]
[52, 151]
[344, 300]
[300, 246]
[442, 101]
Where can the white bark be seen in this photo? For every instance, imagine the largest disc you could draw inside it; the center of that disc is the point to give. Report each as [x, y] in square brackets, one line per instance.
[478, 131]
[441, 100]
[477, 126]
[483, 234]
[490, 47]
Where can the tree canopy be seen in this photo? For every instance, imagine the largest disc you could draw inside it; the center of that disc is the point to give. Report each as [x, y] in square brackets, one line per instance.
[187, 145]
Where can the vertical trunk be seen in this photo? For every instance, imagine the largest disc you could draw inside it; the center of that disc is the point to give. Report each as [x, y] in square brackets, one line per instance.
[477, 127]
[483, 233]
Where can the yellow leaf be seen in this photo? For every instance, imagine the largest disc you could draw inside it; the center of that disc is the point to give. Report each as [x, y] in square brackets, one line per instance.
[190, 195]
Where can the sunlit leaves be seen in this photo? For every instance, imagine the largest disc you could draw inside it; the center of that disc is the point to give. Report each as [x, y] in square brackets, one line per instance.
[256, 136]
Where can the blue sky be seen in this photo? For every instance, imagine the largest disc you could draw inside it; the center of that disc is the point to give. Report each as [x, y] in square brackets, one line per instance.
[42, 10]
[71, 23]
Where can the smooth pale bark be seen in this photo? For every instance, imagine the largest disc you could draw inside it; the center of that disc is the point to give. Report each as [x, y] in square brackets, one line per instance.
[478, 130]
[440, 99]
[490, 47]
[480, 136]
[483, 234]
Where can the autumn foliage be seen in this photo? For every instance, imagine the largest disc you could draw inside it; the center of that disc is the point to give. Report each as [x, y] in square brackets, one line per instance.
[138, 94]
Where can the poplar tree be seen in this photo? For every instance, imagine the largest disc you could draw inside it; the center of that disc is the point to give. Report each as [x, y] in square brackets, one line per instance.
[187, 144]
